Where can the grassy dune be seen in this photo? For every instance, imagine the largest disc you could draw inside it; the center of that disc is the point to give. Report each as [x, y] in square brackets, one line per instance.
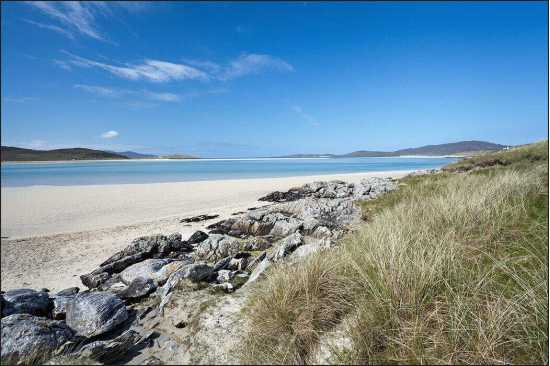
[451, 268]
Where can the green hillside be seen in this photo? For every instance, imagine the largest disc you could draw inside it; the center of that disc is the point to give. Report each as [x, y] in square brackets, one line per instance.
[9, 153]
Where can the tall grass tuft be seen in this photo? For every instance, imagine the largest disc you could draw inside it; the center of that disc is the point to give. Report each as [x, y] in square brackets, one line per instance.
[452, 268]
[291, 309]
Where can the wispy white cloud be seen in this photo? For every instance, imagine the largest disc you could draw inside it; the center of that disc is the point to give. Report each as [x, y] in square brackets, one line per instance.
[306, 116]
[54, 28]
[163, 71]
[119, 93]
[81, 17]
[150, 70]
[62, 64]
[162, 97]
[252, 64]
[245, 64]
[101, 91]
[208, 66]
[109, 135]
[76, 16]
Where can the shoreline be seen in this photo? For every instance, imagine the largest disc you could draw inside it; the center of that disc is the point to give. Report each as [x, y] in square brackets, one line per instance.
[224, 159]
[56, 234]
[31, 211]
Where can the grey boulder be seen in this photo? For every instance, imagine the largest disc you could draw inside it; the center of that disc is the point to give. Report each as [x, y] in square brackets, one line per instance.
[27, 339]
[68, 291]
[138, 288]
[259, 269]
[94, 313]
[287, 246]
[26, 301]
[149, 268]
[217, 246]
[197, 237]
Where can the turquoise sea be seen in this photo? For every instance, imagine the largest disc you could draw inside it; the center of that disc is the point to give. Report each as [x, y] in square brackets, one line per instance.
[152, 171]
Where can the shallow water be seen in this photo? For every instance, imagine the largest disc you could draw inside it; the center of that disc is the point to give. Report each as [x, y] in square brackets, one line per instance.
[155, 171]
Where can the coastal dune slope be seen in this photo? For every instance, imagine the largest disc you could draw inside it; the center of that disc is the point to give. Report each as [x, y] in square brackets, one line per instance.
[450, 268]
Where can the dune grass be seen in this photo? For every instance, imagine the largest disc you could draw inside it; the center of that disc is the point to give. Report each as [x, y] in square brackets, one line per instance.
[451, 268]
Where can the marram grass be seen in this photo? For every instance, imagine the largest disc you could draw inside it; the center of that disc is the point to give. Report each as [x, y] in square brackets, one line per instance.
[452, 268]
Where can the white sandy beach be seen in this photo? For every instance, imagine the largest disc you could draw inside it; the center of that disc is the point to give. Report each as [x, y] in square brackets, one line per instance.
[53, 234]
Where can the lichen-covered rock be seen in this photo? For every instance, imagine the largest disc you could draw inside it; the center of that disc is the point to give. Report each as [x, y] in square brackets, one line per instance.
[60, 306]
[305, 250]
[238, 263]
[282, 225]
[138, 288]
[28, 339]
[155, 246]
[256, 243]
[255, 261]
[114, 284]
[94, 313]
[112, 350]
[217, 246]
[68, 291]
[224, 275]
[148, 246]
[290, 195]
[197, 237]
[94, 279]
[149, 268]
[221, 264]
[259, 270]
[26, 301]
[287, 246]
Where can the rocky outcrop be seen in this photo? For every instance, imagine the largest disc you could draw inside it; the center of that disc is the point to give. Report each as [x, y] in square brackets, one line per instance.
[178, 301]
[156, 246]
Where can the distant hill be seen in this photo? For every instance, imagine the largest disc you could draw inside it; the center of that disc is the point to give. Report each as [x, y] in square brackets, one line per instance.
[135, 155]
[177, 156]
[455, 148]
[452, 148]
[9, 153]
[366, 153]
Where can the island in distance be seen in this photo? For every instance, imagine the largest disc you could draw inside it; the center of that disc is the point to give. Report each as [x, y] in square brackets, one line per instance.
[9, 153]
[462, 148]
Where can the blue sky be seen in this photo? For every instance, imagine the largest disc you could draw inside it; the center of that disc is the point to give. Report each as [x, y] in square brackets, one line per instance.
[258, 79]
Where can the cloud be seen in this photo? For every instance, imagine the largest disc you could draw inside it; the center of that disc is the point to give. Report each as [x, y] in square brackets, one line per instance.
[305, 116]
[81, 17]
[109, 135]
[54, 28]
[163, 71]
[207, 66]
[76, 16]
[99, 90]
[163, 97]
[62, 64]
[119, 93]
[254, 63]
[150, 70]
